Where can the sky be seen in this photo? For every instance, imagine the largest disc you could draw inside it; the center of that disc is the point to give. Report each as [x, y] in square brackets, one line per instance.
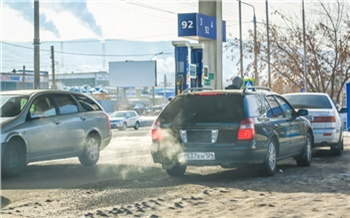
[145, 20]
[138, 20]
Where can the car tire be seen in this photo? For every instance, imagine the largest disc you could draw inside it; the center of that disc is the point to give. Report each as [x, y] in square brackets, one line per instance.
[123, 128]
[137, 125]
[304, 159]
[177, 170]
[13, 160]
[338, 149]
[91, 152]
[268, 168]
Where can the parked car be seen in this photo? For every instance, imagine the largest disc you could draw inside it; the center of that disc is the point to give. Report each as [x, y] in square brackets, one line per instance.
[324, 118]
[38, 125]
[343, 112]
[253, 126]
[125, 119]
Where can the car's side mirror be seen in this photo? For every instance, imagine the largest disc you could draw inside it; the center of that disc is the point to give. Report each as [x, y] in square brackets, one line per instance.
[302, 112]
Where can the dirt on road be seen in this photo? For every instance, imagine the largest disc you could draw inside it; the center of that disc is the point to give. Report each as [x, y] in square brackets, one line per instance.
[142, 189]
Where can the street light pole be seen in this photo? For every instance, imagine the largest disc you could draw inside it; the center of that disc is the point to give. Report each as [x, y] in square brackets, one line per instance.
[256, 77]
[305, 73]
[268, 43]
[240, 37]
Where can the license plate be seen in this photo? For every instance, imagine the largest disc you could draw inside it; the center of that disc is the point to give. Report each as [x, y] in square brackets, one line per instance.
[198, 155]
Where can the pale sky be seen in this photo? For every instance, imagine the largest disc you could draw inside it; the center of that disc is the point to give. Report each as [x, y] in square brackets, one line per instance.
[120, 19]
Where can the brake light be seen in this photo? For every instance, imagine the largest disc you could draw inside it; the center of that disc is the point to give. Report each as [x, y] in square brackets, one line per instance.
[156, 131]
[108, 121]
[323, 119]
[246, 130]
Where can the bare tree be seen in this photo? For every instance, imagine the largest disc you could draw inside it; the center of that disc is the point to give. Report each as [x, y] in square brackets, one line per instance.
[327, 46]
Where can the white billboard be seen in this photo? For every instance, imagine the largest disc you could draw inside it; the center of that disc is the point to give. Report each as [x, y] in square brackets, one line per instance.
[133, 73]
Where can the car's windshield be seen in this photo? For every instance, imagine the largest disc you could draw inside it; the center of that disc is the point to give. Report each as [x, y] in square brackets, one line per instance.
[118, 115]
[12, 105]
[309, 101]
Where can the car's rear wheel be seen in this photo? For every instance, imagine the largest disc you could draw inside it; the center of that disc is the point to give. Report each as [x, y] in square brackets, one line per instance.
[91, 153]
[13, 160]
[338, 149]
[177, 170]
[304, 159]
[268, 168]
[137, 125]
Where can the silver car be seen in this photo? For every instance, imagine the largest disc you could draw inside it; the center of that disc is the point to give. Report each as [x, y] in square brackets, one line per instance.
[324, 118]
[38, 125]
[125, 119]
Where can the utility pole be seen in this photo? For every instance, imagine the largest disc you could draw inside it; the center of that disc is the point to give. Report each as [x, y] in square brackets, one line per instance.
[304, 41]
[36, 46]
[268, 43]
[240, 37]
[23, 78]
[165, 100]
[53, 68]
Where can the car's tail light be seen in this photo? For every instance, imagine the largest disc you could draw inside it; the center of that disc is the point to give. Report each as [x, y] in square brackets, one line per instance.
[108, 121]
[156, 131]
[246, 130]
[323, 119]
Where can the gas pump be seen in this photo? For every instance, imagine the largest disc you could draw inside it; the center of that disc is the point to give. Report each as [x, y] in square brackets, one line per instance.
[197, 61]
[182, 65]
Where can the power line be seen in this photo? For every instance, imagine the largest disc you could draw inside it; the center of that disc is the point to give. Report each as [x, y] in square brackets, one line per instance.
[88, 54]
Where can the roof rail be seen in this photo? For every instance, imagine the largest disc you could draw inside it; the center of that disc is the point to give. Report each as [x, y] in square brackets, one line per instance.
[195, 89]
[255, 88]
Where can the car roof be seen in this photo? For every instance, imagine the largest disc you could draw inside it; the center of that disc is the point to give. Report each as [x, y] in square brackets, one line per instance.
[35, 91]
[233, 91]
[306, 93]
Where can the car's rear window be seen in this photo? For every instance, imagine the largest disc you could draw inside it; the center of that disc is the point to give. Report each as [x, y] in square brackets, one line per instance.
[203, 108]
[309, 101]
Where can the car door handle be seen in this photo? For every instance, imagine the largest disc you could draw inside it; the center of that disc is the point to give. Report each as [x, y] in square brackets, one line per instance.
[83, 118]
[57, 122]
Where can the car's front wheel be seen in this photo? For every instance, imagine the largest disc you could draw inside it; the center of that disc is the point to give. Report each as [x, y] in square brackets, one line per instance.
[91, 152]
[177, 170]
[305, 158]
[124, 126]
[137, 125]
[268, 168]
[13, 159]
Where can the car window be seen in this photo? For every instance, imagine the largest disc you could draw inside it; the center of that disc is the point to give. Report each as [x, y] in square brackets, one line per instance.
[309, 101]
[195, 108]
[255, 105]
[87, 104]
[275, 111]
[42, 107]
[66, 104]
[118, 115]
[12, 105]
[287, 109]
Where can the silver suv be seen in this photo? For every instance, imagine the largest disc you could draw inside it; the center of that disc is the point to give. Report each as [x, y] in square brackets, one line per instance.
[38, 125]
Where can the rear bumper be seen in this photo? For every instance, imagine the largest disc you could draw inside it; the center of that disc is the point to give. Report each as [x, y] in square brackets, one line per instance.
[326, 137]
[225, 155]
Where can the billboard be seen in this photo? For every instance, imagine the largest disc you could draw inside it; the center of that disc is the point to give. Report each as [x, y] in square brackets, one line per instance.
[133, 73]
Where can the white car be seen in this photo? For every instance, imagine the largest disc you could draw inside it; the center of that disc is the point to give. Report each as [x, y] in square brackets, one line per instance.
[323, 116]
[125, 119]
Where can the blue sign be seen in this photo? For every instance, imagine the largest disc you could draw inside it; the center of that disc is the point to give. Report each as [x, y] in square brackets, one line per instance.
[196, 26]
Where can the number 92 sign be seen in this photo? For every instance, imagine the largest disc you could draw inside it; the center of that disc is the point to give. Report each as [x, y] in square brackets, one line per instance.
[195, 26]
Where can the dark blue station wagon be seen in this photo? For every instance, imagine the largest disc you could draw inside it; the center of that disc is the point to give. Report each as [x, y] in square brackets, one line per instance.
[254, 126]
